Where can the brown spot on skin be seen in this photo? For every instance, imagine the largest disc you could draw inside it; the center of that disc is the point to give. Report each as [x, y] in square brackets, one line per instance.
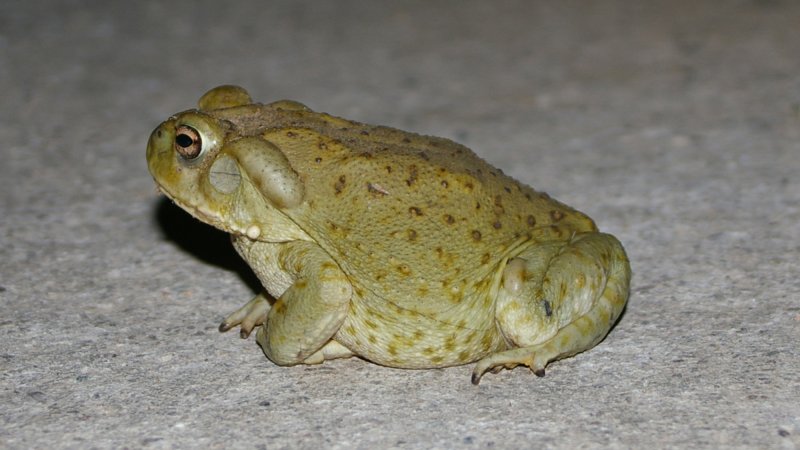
[300, 284]
[350, 330]
[412, 235]
[437, 359]
[372, 339]
[497, 225]
[422, 291]
[412, 175]
[415, 211]
[531, 221]
[556, 215]
[456, 293]
[464, 356]
[485, 258]
[339, 185]
[279, 306]
[580, 281]
[439, 252]
[371, 325]
[476, 235]
[427, 351]
[448, 219]
[392, 350]
[471, 337]
[404, 269]
[498, 205]
[450, 344]
[486, 341]
[418, 334]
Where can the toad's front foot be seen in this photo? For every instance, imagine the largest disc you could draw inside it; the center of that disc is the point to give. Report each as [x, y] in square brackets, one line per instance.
[249, 316]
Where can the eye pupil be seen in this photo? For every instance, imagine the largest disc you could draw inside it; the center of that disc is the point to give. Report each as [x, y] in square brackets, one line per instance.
[183, 140]
[188, 142]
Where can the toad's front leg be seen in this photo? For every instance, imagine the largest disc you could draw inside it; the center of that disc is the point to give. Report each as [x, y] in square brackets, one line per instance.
[299, 326]
[305, 317]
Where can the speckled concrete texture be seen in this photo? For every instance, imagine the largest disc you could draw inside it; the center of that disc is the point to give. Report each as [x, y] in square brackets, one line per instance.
[674, 124]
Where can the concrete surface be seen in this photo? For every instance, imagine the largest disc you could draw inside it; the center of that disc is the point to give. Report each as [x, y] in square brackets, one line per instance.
[675, 124]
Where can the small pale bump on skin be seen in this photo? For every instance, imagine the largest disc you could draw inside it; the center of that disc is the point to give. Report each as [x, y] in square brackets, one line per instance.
[404, 250]
[253, 232]
[375, 188]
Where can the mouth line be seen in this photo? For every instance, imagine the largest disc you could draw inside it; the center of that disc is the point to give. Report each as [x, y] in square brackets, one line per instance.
[194, 211]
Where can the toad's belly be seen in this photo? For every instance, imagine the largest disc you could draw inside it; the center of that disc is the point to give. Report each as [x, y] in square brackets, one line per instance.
[387, 334]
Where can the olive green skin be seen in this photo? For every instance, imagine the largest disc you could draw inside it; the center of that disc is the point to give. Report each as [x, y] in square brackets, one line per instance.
[407, 250]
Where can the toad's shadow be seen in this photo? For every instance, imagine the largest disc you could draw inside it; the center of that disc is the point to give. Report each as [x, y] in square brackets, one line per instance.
[203, 241]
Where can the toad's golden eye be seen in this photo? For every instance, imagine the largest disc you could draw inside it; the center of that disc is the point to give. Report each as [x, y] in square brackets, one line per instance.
[188, 143]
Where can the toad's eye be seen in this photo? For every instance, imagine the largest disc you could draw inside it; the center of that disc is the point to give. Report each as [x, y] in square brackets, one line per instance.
[188, 143]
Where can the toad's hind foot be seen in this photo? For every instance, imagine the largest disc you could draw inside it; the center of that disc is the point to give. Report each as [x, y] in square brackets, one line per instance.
[535, 358]
[249, 316]
[591, 272]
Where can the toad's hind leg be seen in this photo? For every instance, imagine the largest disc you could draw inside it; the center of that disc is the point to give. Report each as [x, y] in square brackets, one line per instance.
[558, 299]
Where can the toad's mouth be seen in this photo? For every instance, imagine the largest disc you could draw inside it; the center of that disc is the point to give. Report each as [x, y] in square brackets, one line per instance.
[198, 212]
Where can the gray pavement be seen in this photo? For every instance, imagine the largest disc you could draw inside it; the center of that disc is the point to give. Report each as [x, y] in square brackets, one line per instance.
[674, 124]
